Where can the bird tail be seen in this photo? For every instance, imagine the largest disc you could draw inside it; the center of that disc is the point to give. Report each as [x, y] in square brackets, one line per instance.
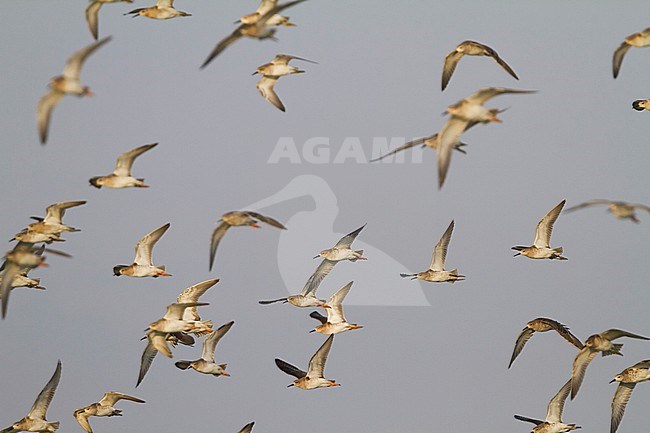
[360, 252]
[54, 425]
[615, 350]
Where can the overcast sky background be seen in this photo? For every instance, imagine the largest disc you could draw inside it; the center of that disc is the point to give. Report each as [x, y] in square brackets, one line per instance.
[438, 365]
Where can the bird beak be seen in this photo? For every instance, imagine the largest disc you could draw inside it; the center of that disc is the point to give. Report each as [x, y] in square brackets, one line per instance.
[288, 386]
[254, 73]
[315, 257]
[313, 330]
[613, 380]
[518, 254]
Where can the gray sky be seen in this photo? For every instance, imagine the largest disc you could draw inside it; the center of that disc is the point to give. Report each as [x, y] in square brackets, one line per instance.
[439, 366]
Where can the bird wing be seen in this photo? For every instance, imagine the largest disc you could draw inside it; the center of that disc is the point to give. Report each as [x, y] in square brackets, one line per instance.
[82, 419]
[642, 364]
[223, 44]
[265, 6]
[522, 339]
[165, 4]
[448, 138]
[526, 419]
[317, 362]
[44, 111]
[175, 311]
[76, 60]
[316, 315]
[588, 203]
[275, 10]
[268, 220]
[545, 226]
[641, 206]
[217, 234]
[54, 213]
[148, 355]
[502, 63]
[613, 334]
[144, 247]
[192, 294]
[92, 11]
[211, 341]
[619, 402]
[110, 398]
[290, 369]
[556, 405]
[248, 428]
[265, 86]
[10, 270]
[284, 59]
[335, 312]
[346, 241]
[486, 94]
[440, 251]
[564, 332]
[617, 60]
[405, 146]
[451, 60]
[580, 364]
[39, 408]
[125, 160]
[323, 269]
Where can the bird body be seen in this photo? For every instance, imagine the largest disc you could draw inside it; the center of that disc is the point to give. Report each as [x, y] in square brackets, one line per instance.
[162, 10]
[436, 272]
[541, 248]
[121, 176]
[470, 48]
[553, 422]
[102, 408]
[603, 343]
[542, 324]
[142, 265]
[66, 84]
[641, 39]
[313, 377]
[206, 364]
[35, 421]
[627, 379]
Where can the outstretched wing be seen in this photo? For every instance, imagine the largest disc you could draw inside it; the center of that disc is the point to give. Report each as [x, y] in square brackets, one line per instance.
[43, 400]
[522, 339]
[317, 362]
[617, 60]
[210, 342]
[346, 241]
[268, 220]
[217, 234]
[440, 251]
[556, 405]
[110, 398]
[545, 226]
[290, 369]
[192, 294]
[619, 402]
[448, 68]
[580, 364]
[44, 112]
[144, 247]
[76, 60]
[125, 160]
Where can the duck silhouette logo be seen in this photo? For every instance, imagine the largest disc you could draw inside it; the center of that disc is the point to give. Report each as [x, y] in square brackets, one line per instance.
[377, 280]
